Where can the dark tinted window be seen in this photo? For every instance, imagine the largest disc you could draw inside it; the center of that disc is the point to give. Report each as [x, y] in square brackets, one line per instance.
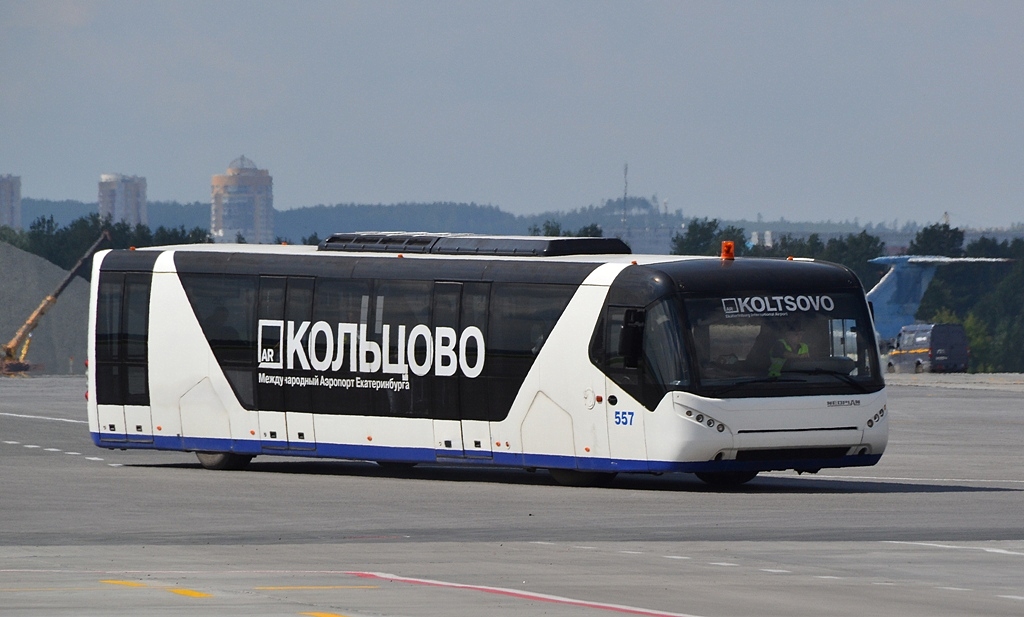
[298, 309]
[474, 403]
[136, 317]
[341, 302]
[108, 317]
[122, 336]
[398, 304]
[225, 306]
[522, 317]
[605, 353]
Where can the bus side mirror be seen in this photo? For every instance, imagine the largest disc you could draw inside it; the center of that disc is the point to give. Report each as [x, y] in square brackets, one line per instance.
[632, 337]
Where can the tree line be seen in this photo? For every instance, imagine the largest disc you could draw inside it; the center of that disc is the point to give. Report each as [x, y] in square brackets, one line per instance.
[64, 244]
[705, 237]
[986, 298]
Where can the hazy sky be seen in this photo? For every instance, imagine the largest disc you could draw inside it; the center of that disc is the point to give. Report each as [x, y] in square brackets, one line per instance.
[806, 110]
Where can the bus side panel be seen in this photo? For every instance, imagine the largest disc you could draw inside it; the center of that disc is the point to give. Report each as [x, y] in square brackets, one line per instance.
[375, 438]
[180, 359]
[559, 392]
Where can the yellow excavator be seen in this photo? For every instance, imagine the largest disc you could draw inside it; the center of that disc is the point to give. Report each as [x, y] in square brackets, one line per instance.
[12, 362]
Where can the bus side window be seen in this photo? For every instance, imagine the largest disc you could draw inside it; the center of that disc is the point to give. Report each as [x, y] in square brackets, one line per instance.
[631, 337]
[224, 306]
[617, 348]
[522, 316]
[402, 303]
[298, 308]
[340, 301]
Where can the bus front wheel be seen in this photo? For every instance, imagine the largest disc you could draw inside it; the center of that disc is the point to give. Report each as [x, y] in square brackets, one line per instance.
[724, 479]
[223, 460]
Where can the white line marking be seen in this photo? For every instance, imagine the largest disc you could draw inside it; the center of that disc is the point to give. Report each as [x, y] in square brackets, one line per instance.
[19, 415]
[29, 446]
[53, 449]
[632, 552]
[13, 443]
[544, 543]
[93, 458]
[1012, 597]
[774, 571]
[997, 551]
[589, 548]
[74, 453]
[115, 464]
[830, 578]
[724, 563]
[674, 557]
[954, 588]
[524, 595]
[887, 584]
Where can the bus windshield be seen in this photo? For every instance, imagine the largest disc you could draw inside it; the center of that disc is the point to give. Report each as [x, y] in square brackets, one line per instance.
[765, 344]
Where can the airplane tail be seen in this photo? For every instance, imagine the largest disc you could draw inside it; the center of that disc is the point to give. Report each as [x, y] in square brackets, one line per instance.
[898, 295]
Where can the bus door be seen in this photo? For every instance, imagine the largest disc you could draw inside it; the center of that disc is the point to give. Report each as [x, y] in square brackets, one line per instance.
[122, 363]
[624, 339]
[285, 409]
[460, 429]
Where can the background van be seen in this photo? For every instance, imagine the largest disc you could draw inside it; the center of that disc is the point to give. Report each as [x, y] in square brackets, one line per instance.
[930, 348]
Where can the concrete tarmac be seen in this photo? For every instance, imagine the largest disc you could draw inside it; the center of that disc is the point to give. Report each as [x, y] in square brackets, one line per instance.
[936, 528]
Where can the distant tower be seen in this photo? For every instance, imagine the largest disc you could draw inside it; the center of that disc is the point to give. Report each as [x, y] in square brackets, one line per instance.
[243, 203]
[10, 201]
[123, 199]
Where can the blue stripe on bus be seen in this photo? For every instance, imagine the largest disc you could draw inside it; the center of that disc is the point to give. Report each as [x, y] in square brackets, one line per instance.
[497, 459]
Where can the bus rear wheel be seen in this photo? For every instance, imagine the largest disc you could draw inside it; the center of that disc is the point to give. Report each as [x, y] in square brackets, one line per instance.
[573, 477]
[725, 479]
[223, 460]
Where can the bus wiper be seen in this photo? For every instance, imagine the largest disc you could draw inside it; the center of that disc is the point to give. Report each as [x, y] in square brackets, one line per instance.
[716, 392]
[837, 374]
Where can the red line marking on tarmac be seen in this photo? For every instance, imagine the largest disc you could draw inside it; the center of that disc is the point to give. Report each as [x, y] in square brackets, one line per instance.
[523, 595]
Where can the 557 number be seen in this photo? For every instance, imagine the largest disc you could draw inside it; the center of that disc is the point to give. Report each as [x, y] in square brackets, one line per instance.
[624, 418]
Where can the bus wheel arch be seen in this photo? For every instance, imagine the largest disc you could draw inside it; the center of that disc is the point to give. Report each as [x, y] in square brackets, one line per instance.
[223, 461]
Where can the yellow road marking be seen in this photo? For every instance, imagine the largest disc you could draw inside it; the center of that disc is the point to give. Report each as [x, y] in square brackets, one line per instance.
[191, 593]
[306, 587]
[125, 583]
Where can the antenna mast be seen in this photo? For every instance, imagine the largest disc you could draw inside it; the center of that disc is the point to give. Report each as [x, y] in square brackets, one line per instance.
[625, 190]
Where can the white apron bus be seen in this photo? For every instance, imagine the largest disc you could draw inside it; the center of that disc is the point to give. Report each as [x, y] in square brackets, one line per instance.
[565, 354]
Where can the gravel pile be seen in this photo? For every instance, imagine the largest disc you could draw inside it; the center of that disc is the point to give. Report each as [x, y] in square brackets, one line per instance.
[59, 341]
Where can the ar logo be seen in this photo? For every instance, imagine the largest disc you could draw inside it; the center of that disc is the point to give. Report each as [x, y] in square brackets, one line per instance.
[271, 343]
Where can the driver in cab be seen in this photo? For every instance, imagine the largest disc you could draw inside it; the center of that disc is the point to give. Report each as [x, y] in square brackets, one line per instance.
[790, 345]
